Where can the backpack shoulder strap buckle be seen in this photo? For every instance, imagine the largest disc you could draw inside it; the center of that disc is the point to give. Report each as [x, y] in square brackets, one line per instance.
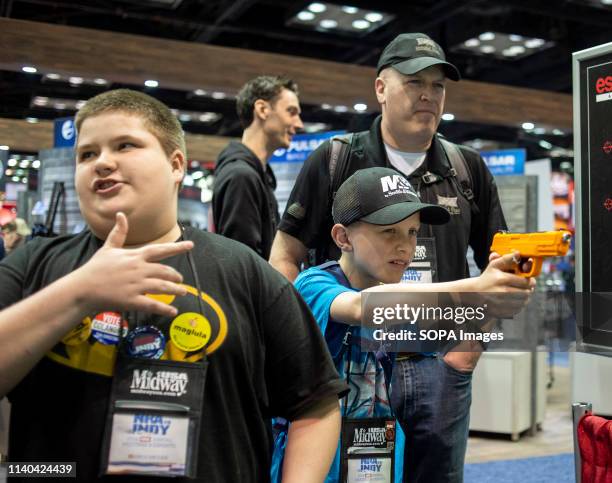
[429, 178]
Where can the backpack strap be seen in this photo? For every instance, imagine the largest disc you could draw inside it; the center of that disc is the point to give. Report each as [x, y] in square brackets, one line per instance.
[339, 150]
[460, 172]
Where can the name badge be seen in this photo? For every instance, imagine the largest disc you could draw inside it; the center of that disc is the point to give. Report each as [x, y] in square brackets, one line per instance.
[367, 450]
[423, 268]
[154, 417]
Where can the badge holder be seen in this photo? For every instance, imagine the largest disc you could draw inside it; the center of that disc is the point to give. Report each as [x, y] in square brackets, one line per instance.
[367, 445]
[424, 267]
[368, 450]
[154, 418]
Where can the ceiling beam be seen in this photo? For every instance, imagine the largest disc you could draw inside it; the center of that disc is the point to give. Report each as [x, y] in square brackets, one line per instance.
[131, 59]
[22, 136]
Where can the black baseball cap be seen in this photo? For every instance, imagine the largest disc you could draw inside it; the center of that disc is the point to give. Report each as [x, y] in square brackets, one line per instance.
[411, 53]
[382, 196]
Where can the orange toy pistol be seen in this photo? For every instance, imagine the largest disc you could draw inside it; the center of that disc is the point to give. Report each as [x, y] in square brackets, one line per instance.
[532, 245]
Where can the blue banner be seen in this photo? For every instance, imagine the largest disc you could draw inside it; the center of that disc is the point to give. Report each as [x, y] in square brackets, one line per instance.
[64, 133]
[301, 146]
[505, 161]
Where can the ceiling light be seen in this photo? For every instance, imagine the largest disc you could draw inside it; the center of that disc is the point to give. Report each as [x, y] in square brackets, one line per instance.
[447, 116]
[151, 83]
[539, 130]
[24, 163]
[509, 53]
[545, 144]
[515, 38]
[9, 172]
[36, 164]
[527, 126]
[53, 76]
[208, 117]
[306, 16]
[80, 104]
[199, 92]
[472, 43]
[341, 109]
[31, 120]
[218, 95]
[75, 80]
[100, 81]
[327, 107]
[558, 132]
[41, 101]
[4, 147]
[29, 69]
[487, 49]
[60, 105]
[517, 49]
[486, 36]
[350, 10]
[12, 162]
[15, 179]
[360, 107]
[606, 2]
[184, 117]
[361, 24]
[24, 180]
[374, 17]
[317, 7]
[534, 43]
[328, 23]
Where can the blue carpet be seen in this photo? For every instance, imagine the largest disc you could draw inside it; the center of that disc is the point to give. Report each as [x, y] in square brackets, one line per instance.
[544, 469]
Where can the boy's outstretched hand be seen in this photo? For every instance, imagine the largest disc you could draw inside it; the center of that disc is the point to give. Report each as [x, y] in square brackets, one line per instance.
[117, 278]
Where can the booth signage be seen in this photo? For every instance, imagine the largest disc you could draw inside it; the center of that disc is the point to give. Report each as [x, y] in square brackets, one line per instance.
[64, 133]
[301, 146]
[506, 161]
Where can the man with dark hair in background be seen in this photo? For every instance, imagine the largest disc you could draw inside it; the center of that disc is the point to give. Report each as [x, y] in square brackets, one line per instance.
[244, 206]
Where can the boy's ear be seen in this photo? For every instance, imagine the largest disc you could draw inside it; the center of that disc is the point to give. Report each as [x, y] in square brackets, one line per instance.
[179, 165]
[261, 109]
[340, 236]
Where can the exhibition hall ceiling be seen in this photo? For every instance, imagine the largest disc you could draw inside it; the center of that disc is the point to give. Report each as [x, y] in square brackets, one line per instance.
[521, 43]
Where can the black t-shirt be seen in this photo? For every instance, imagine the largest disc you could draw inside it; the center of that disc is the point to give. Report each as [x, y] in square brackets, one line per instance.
[308, 213]
[266, 358]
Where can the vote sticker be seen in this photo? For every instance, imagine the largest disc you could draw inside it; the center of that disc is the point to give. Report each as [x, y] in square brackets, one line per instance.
[105, 327]
[147, 342]
[190, 331]
[79, 334]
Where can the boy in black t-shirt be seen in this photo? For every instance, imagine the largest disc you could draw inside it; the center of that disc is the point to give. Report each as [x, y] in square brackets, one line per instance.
[71, 304]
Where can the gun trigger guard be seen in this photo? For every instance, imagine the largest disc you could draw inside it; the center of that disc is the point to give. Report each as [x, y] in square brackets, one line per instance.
[536, 268]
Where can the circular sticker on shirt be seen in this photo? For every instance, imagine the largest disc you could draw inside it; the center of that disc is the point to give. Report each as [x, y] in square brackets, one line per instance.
[147, 342]
[105, 327]
[79, 334]
[190, 331]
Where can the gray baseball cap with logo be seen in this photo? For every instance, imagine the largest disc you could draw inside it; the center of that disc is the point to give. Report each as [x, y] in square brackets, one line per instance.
[382, 196]
[411, 53]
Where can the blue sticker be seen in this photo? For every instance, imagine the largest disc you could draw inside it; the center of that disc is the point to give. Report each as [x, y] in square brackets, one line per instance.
[146, 342]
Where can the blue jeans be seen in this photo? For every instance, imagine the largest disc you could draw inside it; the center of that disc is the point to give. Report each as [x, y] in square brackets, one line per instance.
[432, 401]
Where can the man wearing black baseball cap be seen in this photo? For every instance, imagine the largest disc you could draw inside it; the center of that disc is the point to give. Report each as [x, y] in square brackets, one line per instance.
[377, 215]
[410, 86]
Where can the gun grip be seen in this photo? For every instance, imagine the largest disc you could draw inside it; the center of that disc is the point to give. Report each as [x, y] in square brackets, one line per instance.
[536, 268]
